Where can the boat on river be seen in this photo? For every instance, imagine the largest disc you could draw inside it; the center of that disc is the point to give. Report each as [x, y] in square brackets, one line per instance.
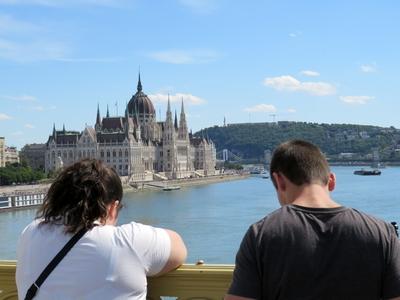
[364, 172]
[172, 188]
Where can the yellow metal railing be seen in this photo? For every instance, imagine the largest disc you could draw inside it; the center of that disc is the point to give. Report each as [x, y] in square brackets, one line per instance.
[192, 282]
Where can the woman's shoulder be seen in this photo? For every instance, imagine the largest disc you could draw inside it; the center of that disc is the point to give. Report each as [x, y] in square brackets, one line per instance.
[33, 226]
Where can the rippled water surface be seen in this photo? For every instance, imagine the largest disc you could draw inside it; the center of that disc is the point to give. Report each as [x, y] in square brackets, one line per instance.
[213, 218]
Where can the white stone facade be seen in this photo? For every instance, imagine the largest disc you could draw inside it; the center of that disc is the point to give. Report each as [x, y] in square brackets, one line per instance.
[8, 155]
[136, 145]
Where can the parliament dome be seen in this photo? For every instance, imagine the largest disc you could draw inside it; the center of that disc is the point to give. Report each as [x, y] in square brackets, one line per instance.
[140, 103]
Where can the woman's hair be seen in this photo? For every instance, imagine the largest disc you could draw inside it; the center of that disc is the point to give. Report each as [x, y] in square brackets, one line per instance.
[80, 195]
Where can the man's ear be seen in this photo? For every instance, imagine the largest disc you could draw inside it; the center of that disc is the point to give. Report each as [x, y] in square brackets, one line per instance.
[331, 182]
[280, 181]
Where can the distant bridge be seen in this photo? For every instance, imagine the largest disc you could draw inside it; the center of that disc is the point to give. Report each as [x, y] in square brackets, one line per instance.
[227, 155]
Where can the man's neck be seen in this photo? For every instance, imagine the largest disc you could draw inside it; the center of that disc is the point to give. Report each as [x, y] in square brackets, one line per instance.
[312, 195]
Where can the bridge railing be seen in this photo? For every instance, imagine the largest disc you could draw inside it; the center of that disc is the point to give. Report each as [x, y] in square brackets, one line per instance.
[187, 282]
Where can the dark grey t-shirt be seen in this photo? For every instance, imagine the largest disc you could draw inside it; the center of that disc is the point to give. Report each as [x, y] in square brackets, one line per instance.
[318, 253]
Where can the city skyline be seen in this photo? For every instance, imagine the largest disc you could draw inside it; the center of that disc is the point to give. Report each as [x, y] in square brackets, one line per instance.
[256, 61]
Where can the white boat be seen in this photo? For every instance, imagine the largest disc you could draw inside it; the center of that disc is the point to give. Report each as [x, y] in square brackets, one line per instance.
[172, 188]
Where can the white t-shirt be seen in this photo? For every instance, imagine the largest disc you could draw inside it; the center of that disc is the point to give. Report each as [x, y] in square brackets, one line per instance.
[108, 262]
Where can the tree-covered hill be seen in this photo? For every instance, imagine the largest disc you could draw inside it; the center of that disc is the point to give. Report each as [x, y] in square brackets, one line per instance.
[250, 140]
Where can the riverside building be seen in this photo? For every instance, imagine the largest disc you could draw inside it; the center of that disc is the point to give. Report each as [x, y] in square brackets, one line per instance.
[136, 144]
[8, 155]
[11, 155]
[34, 155]
[2, 152]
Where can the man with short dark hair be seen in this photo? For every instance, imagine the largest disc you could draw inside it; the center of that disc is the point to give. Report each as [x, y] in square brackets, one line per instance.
[312, 247]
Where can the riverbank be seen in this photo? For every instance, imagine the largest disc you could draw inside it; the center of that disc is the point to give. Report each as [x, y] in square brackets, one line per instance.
[19, 190]
[30, 189]
[185, 182]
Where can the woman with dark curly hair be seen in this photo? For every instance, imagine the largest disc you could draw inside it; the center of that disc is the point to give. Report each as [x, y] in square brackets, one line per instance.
[107, 261]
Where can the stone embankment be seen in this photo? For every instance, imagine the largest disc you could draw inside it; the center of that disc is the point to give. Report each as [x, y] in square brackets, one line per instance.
[23, 190]
[157, 185]
[17, 190]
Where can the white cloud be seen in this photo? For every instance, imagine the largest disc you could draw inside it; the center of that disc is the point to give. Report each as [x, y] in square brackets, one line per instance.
[289, 83]
[8, 24]
[58, 3]
[38, 108]
[310, 73]
[31, 51]
[291, 110]
[17, 133]
[4, 117]
[262, 108]
[295, 34]
[89, 59]
[42, 108]
[25, 2]
[195, 116]
[368, 68]
[21, 98]
[27, 42]
[184, 56]
[30, 126]
[21, 41]
[177, 98]
[356, 99]
[200, 6]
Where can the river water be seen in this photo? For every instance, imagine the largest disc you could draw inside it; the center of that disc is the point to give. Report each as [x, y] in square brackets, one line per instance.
[213, 218]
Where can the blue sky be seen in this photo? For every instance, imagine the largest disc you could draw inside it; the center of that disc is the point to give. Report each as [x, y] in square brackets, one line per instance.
[258, 61]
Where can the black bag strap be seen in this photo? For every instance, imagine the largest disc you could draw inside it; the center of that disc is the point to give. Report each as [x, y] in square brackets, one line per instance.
[396, 228]
[30, 294]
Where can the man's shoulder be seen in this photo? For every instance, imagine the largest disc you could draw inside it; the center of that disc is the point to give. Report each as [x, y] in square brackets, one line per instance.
[372, 222]
[275, 217]
[290, 215]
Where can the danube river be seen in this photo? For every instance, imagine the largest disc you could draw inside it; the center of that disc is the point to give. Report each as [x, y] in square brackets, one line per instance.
[213, 218]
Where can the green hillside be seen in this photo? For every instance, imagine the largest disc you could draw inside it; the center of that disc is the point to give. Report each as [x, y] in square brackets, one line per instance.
[250, 140]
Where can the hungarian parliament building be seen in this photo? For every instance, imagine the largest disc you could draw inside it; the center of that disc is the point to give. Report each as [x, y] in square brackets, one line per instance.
[136, 145]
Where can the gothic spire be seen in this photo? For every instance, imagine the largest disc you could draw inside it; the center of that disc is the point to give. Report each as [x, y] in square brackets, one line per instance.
[108, 113]
[54, 130]
[139, 85]
[98, 118]
[182, 108]
[176, 121]
[169, 106]
[183, 130]
[64, 128]
[169, 114]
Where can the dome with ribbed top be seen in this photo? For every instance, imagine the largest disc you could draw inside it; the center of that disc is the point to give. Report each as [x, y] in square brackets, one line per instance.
[140, 103]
